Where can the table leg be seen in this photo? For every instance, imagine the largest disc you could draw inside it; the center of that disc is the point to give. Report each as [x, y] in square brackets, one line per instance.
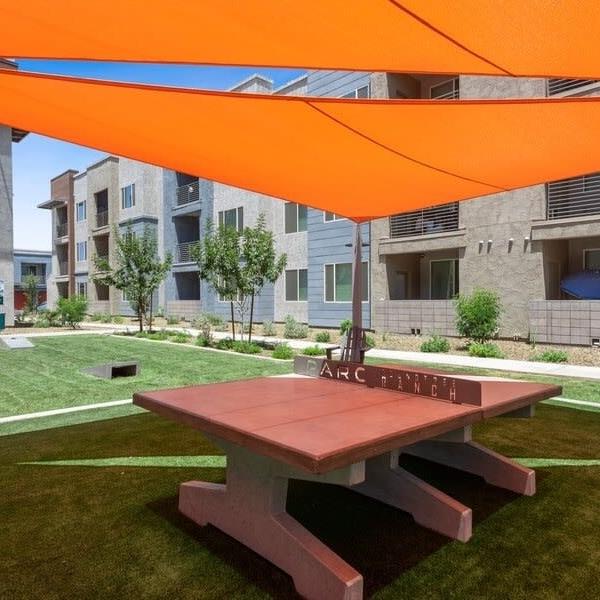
[479, 460]
[251, 509]
[387, 482]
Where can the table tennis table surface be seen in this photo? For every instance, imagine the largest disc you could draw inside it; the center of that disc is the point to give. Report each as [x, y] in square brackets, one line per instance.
[318, 424]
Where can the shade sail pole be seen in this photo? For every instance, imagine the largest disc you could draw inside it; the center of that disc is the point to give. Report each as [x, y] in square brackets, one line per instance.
[356, 334]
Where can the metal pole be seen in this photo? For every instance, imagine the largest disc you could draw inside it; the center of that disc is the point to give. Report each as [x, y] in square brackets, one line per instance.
[356, 296]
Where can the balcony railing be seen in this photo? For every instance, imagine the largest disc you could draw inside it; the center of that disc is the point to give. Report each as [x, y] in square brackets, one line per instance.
[102, 218]
[576, 197]
[190, 192]
[62, 229]
[63, 267]
[41, 279]
[557, 86]
[185, 251]
[425, 221]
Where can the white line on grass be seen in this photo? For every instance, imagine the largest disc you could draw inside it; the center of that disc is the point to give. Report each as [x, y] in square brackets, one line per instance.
[62, 411]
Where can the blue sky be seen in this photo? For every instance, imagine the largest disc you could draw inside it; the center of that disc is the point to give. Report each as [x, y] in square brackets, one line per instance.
[37, 159]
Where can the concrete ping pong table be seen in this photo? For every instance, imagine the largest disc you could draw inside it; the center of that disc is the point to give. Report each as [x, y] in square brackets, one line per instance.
[347, 425]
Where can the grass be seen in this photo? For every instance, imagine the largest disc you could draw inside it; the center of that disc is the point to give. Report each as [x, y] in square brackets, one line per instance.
[49, 376]
[110, 528]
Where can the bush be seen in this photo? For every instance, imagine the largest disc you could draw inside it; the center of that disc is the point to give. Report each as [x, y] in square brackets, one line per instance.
[105, 318]
[96, 317]
[314, 351]
[72, 310]
[118, 319]
[551, 356]
[172, 320]
[269, 328]
[48, 318]
[485, 350]
[203, 324]
[477, 315]
[142, 334]
[158, 336]
[345, 326]
[181, 338]
[202, 340]
[294, 330]
[244, 347]
[370, 340]
[283, 352]
[435, 343]
[323, 337]
[213, 320]
[225, 344]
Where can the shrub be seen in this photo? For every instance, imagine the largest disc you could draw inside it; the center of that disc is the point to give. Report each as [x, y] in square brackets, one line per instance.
[158, 336]
[181, 338]
[370, 341]
[203, 324]
[435, 343]
[213, 320]
[96, 317]
[202, 340]
[314, 351]
[283, 352]
[323, 337]
[244, 347]
[293, 329]
[172, 320]
[477, 315]
[345, 326]
[551, 356]
[118, 319]
[105, 318]
[142, 334]
[72, 310]
[225, 344]
[48, 318]
[269, 328]
[485, 350]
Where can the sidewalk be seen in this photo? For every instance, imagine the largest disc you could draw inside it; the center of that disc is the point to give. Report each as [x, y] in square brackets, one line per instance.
[498, 364]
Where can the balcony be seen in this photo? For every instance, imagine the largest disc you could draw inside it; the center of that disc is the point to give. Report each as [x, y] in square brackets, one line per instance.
[100, 257]
[437, 219]
[184, 252]
[576, 197]
[559, 86]
[41, 279]
[62, 229]
[63, 268]
[102, 218]
[188, 193]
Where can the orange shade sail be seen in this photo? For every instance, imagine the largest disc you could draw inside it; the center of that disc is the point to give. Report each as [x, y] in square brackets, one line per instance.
[360, 159]
[513, 37]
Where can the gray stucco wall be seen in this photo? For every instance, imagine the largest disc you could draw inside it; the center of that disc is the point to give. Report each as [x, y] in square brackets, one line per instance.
[6, 223]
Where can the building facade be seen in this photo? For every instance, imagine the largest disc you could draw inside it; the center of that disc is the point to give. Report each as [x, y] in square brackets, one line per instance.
[31, 262]
[520, 243]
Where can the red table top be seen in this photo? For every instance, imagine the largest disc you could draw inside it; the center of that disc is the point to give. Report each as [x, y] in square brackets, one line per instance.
[318, 425]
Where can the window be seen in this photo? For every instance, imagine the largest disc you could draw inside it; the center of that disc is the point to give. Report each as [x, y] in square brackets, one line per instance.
[361, 92]
[82, 288]
[295, 217]
[124, 296]
[591, 260]
[447, 90]
[328, 217]
[232, 218]
[444, 279]
[81, 212]
[296, 285]
[128, 196]
[338, 282]
[81, 251]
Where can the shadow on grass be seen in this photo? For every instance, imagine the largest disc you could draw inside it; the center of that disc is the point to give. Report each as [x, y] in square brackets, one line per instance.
[379, 541]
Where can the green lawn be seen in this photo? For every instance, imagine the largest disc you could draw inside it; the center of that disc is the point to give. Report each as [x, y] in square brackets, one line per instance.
[49, 375]
[112, 530]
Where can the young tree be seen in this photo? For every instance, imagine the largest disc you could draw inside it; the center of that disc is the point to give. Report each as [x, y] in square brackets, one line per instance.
[72, 310]
[138, 271]
[32, 296]
[219, 263]
[260, 261]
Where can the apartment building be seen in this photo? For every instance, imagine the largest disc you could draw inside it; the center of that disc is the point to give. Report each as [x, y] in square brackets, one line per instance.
[8, 136]
[31, 262]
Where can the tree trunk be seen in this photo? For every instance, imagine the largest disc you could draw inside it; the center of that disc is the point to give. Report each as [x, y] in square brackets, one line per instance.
[140, 318]
[251, 316]
[232, 321]
[150, 317]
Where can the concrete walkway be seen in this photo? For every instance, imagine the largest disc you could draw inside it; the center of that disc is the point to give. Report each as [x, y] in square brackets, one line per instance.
[456, 360]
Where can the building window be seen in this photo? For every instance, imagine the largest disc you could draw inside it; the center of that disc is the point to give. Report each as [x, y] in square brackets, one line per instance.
[295, 217]
[591, 260]
[338, 282]
[81, 211]
[296, 285]
[232, 218]
[328, 217]
[128, 196]
[361, 92]
[81, 251]
[82, 288]
[447, 90]
[444, 279]
[38, 270]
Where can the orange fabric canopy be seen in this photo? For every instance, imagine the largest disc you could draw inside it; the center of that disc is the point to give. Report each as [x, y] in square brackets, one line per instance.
[512, 37]
[360, 159]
